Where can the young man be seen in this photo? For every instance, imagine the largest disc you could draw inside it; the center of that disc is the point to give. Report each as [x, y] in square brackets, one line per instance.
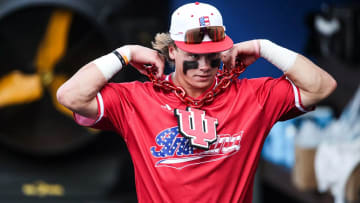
[193, 137]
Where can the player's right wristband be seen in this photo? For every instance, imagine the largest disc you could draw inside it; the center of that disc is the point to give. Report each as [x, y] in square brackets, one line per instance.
[113, 62]
[279, 56]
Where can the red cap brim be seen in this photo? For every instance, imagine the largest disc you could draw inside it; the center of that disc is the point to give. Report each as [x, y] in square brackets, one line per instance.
[206, 47]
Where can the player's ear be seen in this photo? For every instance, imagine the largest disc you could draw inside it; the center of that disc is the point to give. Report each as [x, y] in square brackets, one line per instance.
[172, 50]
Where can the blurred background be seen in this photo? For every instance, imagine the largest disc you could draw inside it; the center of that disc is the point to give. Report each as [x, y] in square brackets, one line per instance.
[46, 157]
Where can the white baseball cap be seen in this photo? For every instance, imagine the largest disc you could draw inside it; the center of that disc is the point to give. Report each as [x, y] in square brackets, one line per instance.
[197, 15]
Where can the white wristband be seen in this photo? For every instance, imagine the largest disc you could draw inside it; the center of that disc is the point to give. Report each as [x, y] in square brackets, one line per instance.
[110, 64]
[279, 56]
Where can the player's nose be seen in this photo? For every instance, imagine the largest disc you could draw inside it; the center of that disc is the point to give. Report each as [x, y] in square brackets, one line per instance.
[204, 64]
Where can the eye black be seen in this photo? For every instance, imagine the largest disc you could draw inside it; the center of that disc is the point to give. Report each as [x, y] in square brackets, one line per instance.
[189, 65]
[215, 63]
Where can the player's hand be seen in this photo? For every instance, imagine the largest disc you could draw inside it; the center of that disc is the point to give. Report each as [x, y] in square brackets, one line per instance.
[141, 57]
[247, 52]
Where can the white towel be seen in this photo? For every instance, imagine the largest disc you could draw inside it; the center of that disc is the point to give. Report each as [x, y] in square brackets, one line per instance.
[334, 163]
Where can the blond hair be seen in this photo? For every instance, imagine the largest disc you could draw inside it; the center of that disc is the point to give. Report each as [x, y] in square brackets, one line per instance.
[161, 42]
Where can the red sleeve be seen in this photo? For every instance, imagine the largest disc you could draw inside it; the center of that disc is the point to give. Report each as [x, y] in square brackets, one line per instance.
[279, 97]
[114, 100]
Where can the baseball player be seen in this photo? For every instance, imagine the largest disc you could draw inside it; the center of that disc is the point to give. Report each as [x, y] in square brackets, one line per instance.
[196, 134]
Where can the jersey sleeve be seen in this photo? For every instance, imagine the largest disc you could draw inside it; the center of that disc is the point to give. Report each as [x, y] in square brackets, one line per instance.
[279, 97]
[114, 100]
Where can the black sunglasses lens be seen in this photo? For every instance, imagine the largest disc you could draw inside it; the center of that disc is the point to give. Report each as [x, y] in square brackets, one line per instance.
[216, 33]
[195, 36]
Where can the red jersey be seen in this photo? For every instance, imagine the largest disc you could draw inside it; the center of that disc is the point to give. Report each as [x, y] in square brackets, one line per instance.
[169, 169]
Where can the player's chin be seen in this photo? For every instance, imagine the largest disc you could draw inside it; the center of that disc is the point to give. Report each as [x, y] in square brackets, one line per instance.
[203, 78]
[202, 84]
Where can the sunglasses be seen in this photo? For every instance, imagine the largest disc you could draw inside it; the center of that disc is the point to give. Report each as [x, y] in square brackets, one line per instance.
[196, 35]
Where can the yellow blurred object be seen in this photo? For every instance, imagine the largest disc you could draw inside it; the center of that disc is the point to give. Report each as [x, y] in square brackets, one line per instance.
[43, 189]
[51, 49]
[53, 46]
[19, 88]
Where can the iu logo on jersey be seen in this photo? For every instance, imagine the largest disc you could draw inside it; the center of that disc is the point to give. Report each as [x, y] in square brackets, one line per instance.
[197, 127]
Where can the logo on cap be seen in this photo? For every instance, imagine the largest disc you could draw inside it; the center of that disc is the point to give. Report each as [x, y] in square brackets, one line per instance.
[204, 21]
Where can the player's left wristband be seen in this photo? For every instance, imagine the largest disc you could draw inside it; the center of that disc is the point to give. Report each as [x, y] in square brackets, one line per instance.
[113, 62]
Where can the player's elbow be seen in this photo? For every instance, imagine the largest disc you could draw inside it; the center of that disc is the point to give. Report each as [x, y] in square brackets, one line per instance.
[319, 91]
[74, 100]
[60, 96]
[333, 85]
[64, 98]
[330, 86]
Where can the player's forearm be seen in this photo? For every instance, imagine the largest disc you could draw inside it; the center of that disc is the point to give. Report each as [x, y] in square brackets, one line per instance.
[314, 83]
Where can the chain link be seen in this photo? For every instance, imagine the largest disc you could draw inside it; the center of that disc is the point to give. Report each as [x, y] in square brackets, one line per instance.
[225, 76]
